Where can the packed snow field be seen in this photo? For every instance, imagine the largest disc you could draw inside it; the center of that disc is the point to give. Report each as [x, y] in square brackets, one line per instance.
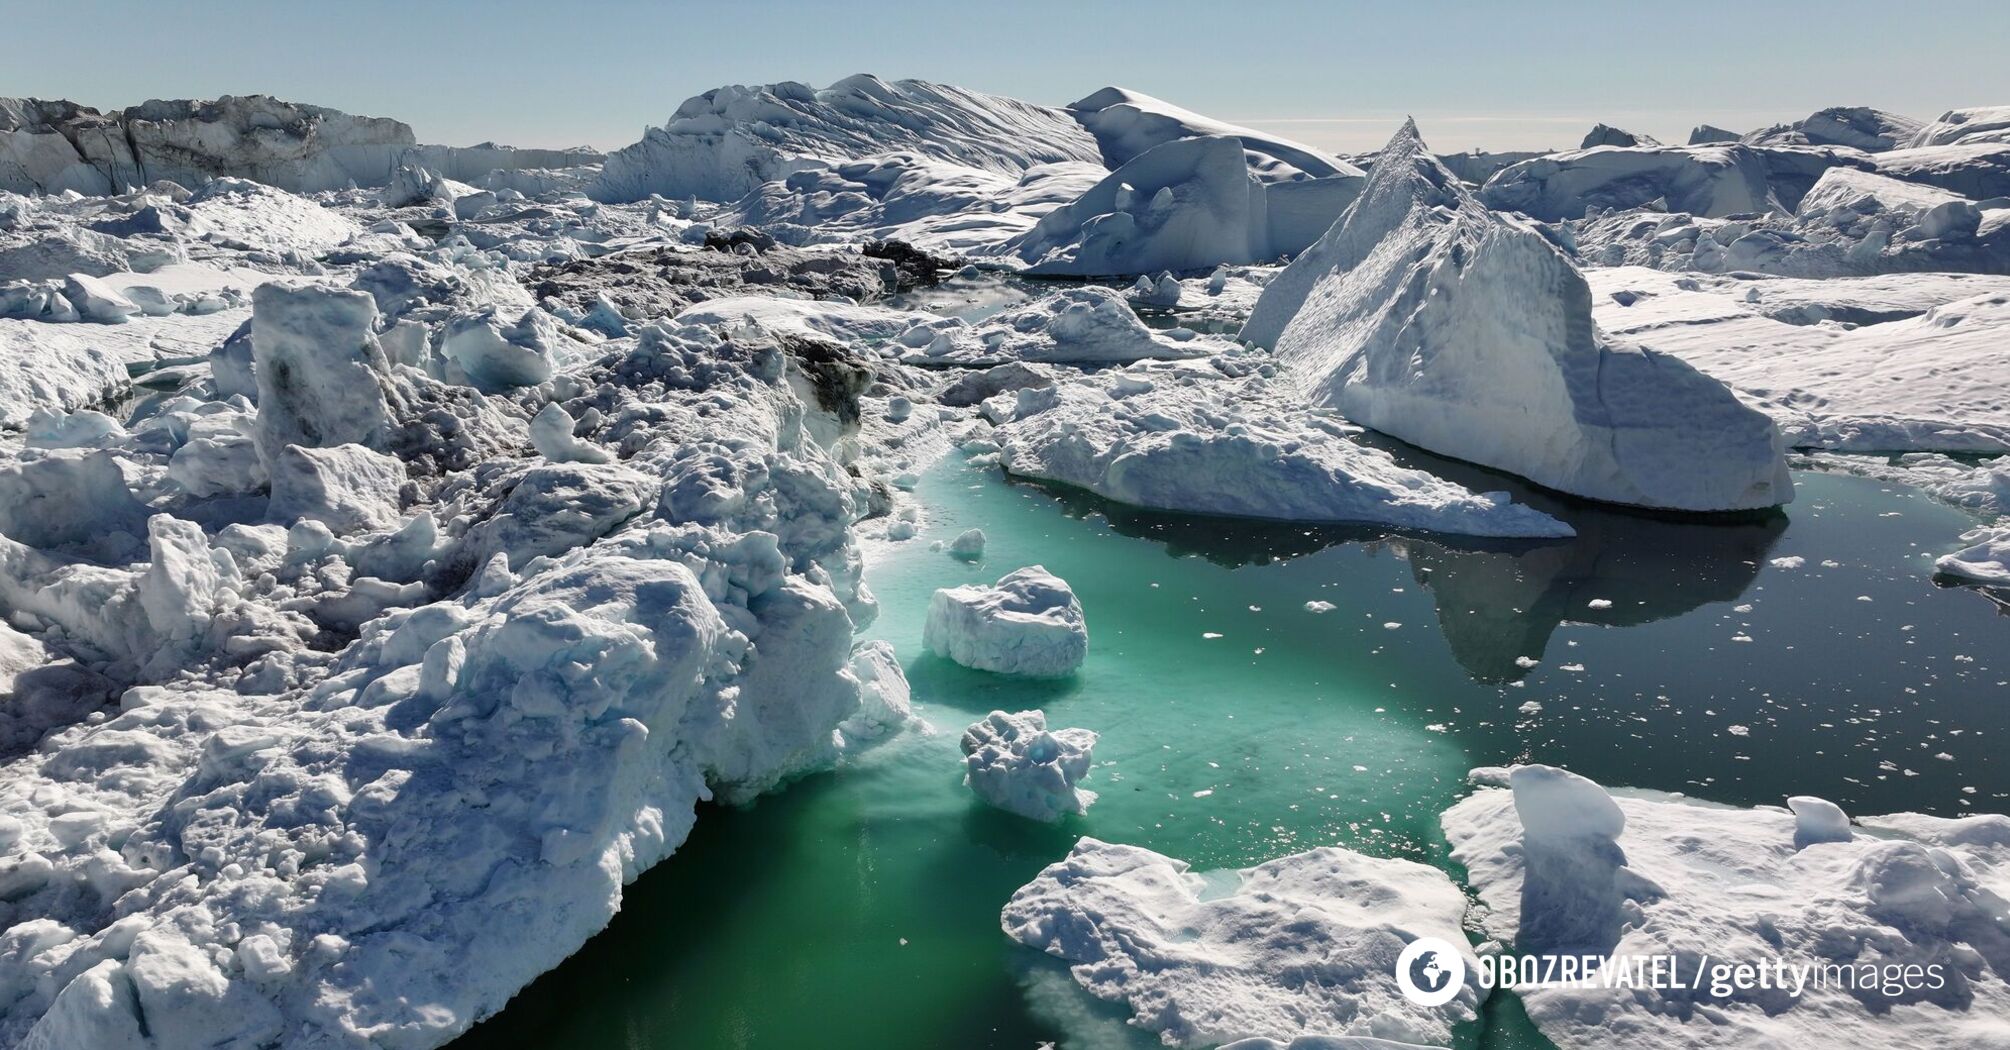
[400, 545]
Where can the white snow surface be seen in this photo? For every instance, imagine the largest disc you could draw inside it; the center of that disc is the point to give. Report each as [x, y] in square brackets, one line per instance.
[728, 141]
[57, 367]
[1301, 946]
[1188, 439]
[1028, 623]
[1563, 866]
[1427, 317]
[1929, 379]
[1014, 762]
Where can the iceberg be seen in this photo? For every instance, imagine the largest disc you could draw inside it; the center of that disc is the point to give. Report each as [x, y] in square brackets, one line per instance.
[346, 487]
[321, 373]
[1977, 168]
[1301, 947]
[1563, 865]
[1014, 762]
[1186, 204]
[1712, 180]
[968, 545]
[885, 702]
[1958, 126]
[1607, 135]
[1128, 124]
[906, 196]
[1180, 440]
[726, 142]
[295, 147]
[54, 146]
[1429, 318]
[1858, 127]
[1028, 623]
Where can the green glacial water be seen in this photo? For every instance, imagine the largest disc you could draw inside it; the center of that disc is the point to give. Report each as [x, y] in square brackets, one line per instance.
[858, 909]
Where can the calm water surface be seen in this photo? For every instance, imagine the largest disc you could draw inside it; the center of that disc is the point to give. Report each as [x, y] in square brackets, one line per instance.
[858, 909]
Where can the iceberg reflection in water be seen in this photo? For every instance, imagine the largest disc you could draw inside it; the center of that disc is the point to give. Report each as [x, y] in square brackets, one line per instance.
[1499, 601]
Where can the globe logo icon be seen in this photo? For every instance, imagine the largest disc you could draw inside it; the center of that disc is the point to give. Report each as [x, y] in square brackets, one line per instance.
[1430, 972]
[1427, 974]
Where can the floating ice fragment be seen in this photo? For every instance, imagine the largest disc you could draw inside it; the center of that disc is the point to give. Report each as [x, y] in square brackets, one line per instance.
[968, 545]
[1029, 623]
[1014, 762]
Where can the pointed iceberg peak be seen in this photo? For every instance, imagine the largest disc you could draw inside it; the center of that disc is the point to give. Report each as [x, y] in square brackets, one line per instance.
[1406, 161]
[1407, 143]
[1430, 318]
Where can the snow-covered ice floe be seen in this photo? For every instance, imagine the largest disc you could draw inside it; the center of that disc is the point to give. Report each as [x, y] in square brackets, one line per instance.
[1302, 946]
[1190, 439]
[1467, 332]
[1014, 762]
[1028, 623]
[1986, 559]
[1564, 867]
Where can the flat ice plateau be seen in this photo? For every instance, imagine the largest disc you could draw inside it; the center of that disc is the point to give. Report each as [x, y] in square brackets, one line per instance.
[399, 542]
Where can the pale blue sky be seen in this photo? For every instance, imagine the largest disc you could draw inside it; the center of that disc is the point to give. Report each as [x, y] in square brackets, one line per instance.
[1338, 75]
